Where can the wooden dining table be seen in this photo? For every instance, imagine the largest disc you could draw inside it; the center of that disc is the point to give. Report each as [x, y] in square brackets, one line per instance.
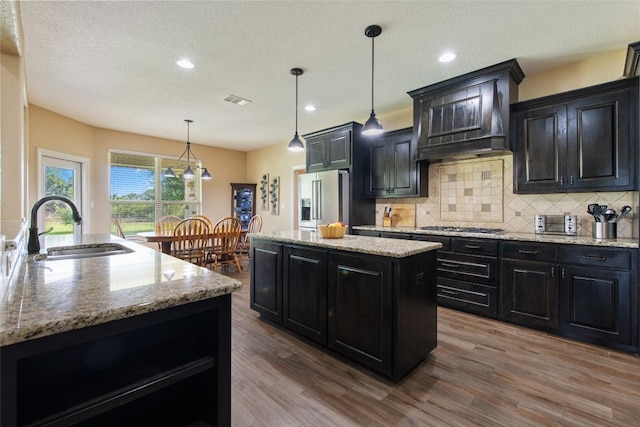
[166, 238]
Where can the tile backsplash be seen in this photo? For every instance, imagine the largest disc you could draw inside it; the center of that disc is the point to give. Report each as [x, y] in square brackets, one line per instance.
[479, 193]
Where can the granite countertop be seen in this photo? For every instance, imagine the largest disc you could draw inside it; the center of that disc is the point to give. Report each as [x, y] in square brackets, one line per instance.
[49, 297]
[506, 235]
[394, 248]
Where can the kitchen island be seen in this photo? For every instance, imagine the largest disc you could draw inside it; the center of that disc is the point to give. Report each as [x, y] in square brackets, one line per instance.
[139, 338]
[370, 299]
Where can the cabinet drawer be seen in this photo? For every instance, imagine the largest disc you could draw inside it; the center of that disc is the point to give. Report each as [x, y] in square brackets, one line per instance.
[597, 257]
[469, 297]
[530, 251]
[466, 267]
[475, 246]
[446, 241]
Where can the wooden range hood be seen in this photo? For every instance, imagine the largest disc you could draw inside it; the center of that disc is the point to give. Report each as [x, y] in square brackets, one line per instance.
[466, 116]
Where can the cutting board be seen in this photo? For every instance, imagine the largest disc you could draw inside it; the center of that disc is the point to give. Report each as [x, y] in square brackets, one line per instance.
[403, 215]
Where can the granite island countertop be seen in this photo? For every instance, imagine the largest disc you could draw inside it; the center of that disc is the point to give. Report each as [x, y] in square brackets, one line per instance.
[394, 248]
[53, 296]
[507, 235]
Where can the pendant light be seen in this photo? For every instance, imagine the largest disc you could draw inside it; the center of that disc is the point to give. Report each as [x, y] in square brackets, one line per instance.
[373, 125]
[295, 144]
[188, 172]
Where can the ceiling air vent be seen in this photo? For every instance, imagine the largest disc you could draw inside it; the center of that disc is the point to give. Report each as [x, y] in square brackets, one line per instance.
[236, 100]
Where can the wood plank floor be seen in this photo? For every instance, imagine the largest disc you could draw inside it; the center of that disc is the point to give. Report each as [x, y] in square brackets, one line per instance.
[483, 373]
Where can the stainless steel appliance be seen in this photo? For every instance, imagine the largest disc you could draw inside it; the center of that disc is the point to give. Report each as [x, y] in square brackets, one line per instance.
[323, 197]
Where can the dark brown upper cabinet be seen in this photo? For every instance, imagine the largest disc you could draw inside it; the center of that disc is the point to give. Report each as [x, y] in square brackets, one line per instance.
[466, 116]
[327, 150]
[393, 171]
[578, 141]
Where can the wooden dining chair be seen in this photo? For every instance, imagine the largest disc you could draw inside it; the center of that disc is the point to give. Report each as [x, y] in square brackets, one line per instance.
[118, 227]
[165, 225]
[205, 219]
[244, 247]
[190, 238]
[224, 243]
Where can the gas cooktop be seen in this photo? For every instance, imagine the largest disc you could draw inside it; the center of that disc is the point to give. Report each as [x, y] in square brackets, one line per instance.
[462, 229]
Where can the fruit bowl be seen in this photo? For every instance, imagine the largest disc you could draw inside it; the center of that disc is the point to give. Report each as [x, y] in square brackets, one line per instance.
[335, 232]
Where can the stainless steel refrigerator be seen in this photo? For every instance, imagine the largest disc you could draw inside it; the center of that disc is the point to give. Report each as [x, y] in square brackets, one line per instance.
[323, 197]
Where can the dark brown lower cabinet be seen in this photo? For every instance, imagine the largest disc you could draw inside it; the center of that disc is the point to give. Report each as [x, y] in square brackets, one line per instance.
[530, 284]
[304, 292]
[170, 367]
[579, 291]
[266, 279]
[360, 310]
[378, 311]
[596, 306]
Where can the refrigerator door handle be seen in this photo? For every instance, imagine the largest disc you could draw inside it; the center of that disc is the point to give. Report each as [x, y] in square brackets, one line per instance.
[319, 199]
[314, 199]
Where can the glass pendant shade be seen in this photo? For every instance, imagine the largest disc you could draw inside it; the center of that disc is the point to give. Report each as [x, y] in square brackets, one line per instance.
[372, 126]
[169, 173]
[295, 144]
[188, 172]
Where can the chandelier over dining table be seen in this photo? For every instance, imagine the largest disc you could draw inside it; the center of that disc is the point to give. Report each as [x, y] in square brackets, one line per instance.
[188, 172]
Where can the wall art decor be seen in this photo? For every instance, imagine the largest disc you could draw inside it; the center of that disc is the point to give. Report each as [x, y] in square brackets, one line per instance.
[274, 193]
[264, 184]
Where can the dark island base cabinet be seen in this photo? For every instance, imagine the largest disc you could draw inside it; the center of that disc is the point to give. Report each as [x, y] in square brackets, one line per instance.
[266, 279]
[304, 292]
[170, 367]
[378, 311]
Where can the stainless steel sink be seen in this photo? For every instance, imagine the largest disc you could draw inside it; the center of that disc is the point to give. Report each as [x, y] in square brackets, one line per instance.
[82, 251]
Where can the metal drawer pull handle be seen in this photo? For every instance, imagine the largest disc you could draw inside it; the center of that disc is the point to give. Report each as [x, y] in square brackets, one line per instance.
[524, 251]
[447, 291]
[446, 264]
[472, 247]
[598, 258]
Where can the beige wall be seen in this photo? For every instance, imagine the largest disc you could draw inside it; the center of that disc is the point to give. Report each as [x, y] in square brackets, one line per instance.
[12, 145]
[52, 131]
[599, 69]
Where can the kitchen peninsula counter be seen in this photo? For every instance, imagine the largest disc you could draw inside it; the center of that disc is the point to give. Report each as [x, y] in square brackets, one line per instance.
[368, 298]
[122, 339]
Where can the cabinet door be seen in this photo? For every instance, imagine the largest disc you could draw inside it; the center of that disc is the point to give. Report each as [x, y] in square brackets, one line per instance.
[338, 150]
[266, 279]
[360, 310]
[541, 141]
[316, 153]
[377, 185]
[530, 293]
[402, 166]
[305, 292]
[599, 156]
[595, 305]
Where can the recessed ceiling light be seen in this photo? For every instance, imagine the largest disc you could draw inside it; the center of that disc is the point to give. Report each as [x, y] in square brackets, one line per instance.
[310, 108]
[447, 57]
[185, 63]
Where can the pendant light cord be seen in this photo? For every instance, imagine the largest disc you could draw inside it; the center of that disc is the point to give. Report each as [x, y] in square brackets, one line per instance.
[296, 104]
[372, 63]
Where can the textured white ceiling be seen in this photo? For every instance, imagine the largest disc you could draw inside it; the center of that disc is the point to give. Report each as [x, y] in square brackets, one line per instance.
[111, 64]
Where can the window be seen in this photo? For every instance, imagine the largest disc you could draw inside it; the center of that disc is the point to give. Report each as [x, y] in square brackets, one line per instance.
[139, 193]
